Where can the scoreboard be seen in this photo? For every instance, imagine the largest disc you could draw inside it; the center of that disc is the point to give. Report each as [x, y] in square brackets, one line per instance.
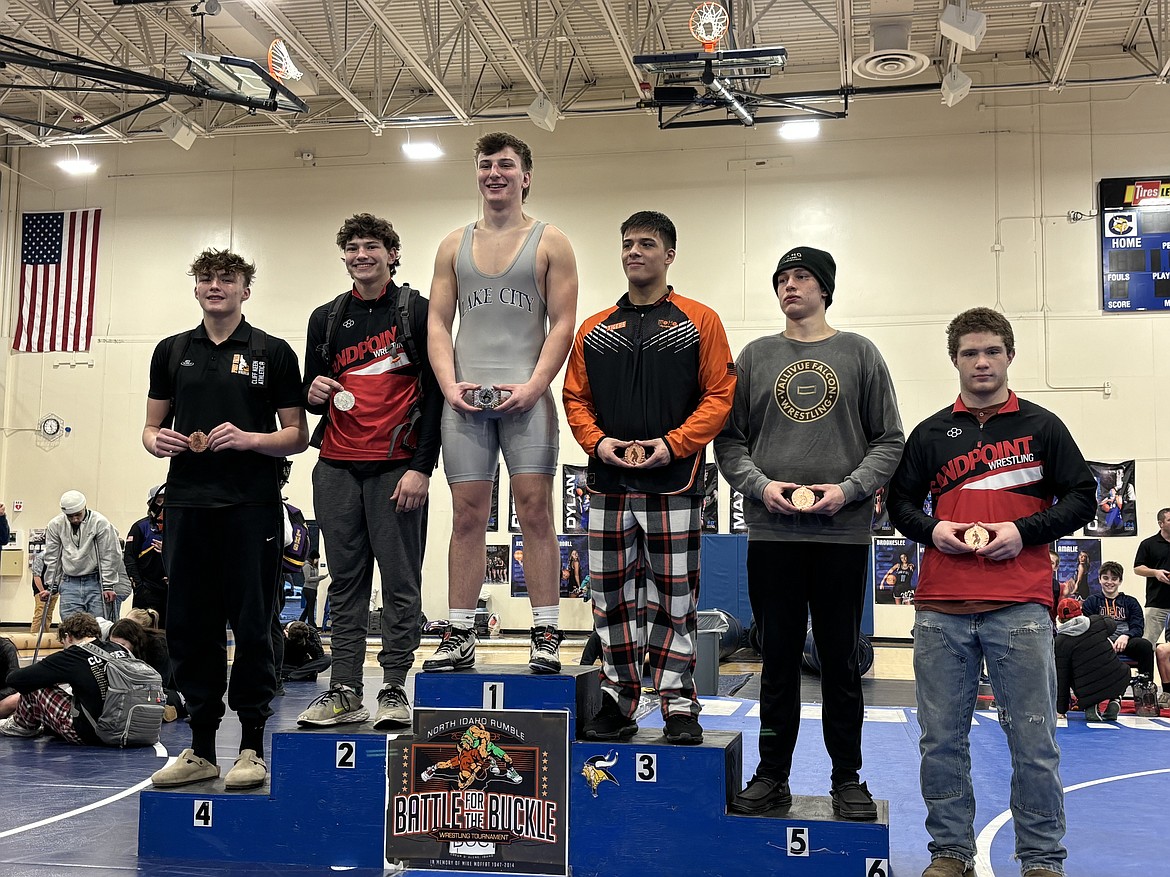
[1134, 221]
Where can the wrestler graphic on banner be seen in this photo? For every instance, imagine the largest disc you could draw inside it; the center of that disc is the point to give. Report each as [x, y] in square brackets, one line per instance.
[574, 500]
[709, 513]
[1116, 500]
[574, 565]
[1075, 567]
[881, 525]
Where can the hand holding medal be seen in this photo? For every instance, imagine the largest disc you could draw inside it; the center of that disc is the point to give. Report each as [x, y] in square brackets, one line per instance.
[197, 441]
[634, 454]
[803, 498]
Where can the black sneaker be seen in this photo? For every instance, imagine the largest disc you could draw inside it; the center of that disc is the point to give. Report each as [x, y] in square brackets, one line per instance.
[545, 655]
[853, 801]
[609, 723]
[762, 794]
[684, 730]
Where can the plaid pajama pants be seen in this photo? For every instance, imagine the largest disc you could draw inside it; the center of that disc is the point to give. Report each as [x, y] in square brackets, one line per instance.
[652, 614]
[49, 709]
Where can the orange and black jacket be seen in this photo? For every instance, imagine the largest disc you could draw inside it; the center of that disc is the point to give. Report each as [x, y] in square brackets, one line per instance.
[642, 372]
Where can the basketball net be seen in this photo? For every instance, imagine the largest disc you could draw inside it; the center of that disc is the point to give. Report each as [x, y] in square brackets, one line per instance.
[280, 63]
[709, 24]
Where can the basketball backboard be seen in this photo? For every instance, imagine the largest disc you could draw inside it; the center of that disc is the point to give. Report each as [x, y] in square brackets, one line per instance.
[245, 79]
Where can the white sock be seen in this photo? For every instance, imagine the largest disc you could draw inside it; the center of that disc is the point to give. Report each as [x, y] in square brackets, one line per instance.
[464, 618]
[546, 616]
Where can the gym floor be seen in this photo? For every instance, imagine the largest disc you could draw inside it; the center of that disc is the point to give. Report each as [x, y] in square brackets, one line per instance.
[70, 810]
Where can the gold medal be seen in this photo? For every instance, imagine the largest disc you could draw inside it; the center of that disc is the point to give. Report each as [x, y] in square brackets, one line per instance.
[803, 498]
[635, 455]
[197, 441]
[976, 537]
[343, 400]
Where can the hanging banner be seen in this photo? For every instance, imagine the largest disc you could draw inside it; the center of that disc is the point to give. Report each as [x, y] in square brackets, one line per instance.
[738, 524]
[574, 500]
[1116, 500]
[496, 566]
[895, 570]
[574, 566]
[880, 523]
[709, 515]
[480, 790]
[1076, 564]
[493, 524]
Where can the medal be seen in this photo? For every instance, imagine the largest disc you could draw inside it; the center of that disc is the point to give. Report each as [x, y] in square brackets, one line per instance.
[635, 455]
[343, 400]
[197, 441]
[803, 498]
[976, 537]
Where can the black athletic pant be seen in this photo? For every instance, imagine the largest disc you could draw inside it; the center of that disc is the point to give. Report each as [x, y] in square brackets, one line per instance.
[224, 568]
[1141, 650]
[787, 581]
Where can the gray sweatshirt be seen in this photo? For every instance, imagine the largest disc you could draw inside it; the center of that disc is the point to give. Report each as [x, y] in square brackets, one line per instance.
[92, 549]
[819, 412]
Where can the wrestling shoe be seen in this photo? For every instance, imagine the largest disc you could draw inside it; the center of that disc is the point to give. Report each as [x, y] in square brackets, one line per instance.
[340, 705]
[455, 652]
[545, 656]
[393, 709]
[609, 723]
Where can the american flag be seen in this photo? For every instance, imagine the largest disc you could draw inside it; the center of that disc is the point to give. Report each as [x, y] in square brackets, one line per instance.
[58, 276]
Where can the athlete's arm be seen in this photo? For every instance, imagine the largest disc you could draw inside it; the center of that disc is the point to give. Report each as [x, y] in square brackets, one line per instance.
[162, 442]
[560, 296]
[291, 438]
[440, 323]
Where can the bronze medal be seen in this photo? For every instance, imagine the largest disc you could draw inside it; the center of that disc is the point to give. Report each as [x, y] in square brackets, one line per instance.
[197, 441]
[803, 498]
[635, 455]
[976, 537]
[343, 400]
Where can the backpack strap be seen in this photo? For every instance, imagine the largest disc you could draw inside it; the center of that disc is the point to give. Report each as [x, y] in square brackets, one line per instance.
[332, 325]
[178, 354]
[406, 297]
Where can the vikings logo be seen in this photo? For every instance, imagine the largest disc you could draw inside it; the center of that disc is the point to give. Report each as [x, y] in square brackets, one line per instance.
[596, 770]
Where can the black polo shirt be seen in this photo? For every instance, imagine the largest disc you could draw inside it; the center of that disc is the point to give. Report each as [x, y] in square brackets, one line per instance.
[240, 381]
[1154, 552]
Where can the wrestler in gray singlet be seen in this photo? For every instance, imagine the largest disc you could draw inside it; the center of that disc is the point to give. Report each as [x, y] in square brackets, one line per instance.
[503, 323]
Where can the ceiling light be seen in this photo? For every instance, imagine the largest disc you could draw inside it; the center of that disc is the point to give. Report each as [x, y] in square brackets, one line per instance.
[800, 129]
[543, 113]
[76, 165]
[422, 150]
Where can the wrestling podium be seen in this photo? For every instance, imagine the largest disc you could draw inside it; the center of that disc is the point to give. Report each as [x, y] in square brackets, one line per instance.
[494, 781]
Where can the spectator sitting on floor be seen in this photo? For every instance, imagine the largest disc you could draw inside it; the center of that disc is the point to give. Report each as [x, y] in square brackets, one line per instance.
[1086, 662]
[44, 705]
[304, 656]
[151, 646]
[9, 661]
[1127, 612]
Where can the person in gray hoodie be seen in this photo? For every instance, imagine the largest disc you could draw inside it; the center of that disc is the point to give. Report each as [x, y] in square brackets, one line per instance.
[83, 558]
[1086, 662]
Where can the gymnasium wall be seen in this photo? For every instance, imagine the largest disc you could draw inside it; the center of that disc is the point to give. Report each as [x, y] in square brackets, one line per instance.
[928, 211]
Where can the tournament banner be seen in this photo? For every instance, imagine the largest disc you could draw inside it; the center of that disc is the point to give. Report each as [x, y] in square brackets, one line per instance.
[895, 570]
[574, 566]
[1116, 500]
[495, 570]
[574, 500]
[493, 524]
[480, 790]
[709, 516]
[1134, 229]
[880, 523]
[1078, 563]
[738, 524]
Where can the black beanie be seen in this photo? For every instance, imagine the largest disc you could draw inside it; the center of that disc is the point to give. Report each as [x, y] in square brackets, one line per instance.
[818, 262]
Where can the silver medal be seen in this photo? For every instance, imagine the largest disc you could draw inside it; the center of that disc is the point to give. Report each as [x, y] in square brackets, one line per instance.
[343, 401]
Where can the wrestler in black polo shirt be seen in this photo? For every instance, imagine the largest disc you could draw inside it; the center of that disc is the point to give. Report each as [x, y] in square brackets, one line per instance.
[237, 411]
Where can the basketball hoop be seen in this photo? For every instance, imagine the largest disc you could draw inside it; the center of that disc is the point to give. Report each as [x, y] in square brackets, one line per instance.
[709, 24]
[280, 63]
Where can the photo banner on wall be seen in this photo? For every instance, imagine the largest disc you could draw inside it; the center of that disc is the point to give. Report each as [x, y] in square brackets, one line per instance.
[738, 524]
[1078, 563]
[493, 524]
[1116, 500]
[880, 523]
[710, 512]
[895, 570]
[496, 567]
[513, 519]
[574, 500]
[574, 568]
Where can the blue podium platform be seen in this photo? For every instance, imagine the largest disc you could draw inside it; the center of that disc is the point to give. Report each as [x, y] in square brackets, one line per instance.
[636, 808]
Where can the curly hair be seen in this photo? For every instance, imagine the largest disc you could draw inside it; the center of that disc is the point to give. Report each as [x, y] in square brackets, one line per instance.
[298, 633]
[490, 144]
[79, 625]
[212, 261]
[366, 225]
[979, 320]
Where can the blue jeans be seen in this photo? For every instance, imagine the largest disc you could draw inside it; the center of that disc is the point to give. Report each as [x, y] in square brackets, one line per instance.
[82, 594]
[949, 650]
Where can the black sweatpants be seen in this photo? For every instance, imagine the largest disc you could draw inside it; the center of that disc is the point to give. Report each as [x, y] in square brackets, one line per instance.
[224, 568]
[787, 581]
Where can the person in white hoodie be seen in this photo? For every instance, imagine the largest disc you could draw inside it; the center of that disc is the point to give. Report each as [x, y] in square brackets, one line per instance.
[83, 560]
